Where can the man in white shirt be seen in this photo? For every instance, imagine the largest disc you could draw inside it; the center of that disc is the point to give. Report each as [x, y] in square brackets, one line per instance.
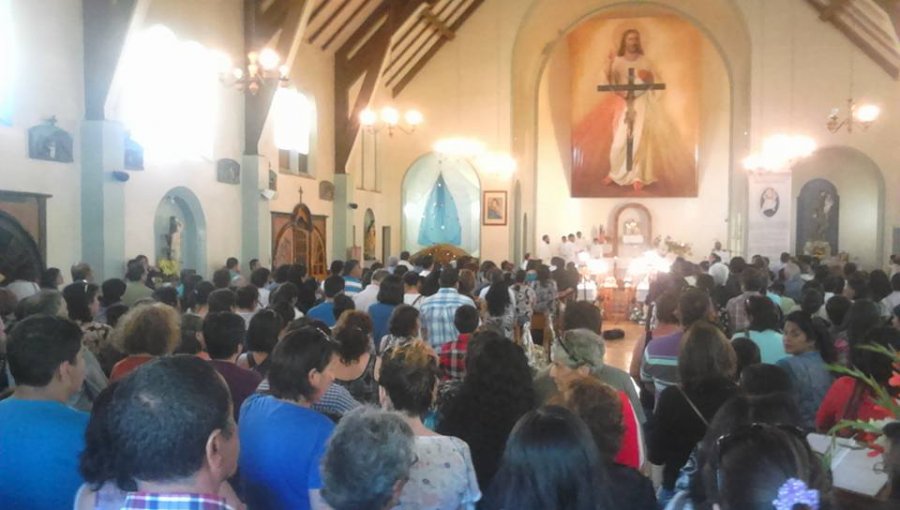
[404, 260]
[568, 250]
[544, 250]
[893, 299]
[581, 243]
[596, 250]
[369, 295]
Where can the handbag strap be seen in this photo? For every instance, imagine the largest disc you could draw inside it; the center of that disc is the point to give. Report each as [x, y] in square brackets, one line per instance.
[693, 406]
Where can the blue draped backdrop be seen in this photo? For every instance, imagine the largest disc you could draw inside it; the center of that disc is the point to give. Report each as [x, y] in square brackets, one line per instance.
[440, 221]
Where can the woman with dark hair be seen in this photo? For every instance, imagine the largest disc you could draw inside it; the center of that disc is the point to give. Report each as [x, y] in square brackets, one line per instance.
[525, 297]
[498, 311]
[706, 371]
[432, 282]
[545, 302]
[811, 349]
[403, 328]
[880, 285]
[390, 295]
[83, 303]
[467, 284]
[262, 336]
[550, 461]
[601, 408]
[851, 399]
[356, 370]
[282, 439]
[862, 316]
[51, 278]
[496, 391]
[444, 477]
[666, 324]
[763, 329]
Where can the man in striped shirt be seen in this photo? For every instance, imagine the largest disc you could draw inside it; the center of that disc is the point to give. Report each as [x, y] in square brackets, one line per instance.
[439, 310]
[352, 274]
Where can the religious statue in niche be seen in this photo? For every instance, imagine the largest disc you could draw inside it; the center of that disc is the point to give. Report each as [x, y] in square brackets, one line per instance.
[369, 236]
[326, 191]
[170, 262]
[818, 210]
[637, 136]
[769, 202]
[631, 232]
[228, 171]
[50, 143]
[440, 220]
[134, 154]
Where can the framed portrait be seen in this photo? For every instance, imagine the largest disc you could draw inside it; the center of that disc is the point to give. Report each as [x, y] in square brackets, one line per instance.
[493, 208]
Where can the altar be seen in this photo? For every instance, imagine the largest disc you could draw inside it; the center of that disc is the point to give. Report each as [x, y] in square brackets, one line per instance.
[631, 235]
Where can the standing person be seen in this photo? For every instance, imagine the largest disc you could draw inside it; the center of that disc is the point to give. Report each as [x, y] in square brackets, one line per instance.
[144, 333]
[569, 475]
[499, 311]
[324, 311]
[246, 300]
[356, 369]
[763, 329]
[453, 355]
[352, 274]
[411, 295]
[390, 295]
[439, 310]
[25, 283]
[892, 300]
[525, 298]
[51, 278]
[259, 278]
[706, 368]
[282, 439]
[262, 336]
[403, 328]
[40, 437]
[404, 260]
[82, 272]
[444, 477]
[83, 304]
[234, 272]
[136, 283]
[545, 303]
[811, 348]
[753, 283]
[111, 292]
[224, 333]
[369, 295]
[544, 249]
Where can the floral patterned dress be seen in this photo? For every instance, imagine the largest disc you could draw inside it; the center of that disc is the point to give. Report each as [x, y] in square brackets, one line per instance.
[443, 477]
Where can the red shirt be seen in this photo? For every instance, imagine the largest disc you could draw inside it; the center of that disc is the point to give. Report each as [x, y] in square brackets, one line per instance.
[630, 451]
[127, 365]
[453, 358]
[835, 402]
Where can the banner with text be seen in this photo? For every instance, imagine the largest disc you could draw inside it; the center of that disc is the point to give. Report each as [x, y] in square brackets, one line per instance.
[769, 214]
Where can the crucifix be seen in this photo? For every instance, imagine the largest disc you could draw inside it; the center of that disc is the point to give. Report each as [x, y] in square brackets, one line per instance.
[630, 88]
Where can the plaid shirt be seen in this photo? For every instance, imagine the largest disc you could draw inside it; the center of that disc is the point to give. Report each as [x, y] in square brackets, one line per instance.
[437, 316]
[737, 312]
[453, 358]
[156, 501]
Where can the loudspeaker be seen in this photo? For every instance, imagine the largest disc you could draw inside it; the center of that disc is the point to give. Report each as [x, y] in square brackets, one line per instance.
[120, 176]
[267, 194]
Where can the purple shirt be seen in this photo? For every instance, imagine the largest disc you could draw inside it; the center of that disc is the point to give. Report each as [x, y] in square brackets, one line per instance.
[660, 363]
[241, 382]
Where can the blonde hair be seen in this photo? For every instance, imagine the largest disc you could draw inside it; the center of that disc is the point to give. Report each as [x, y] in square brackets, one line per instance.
[149, 329]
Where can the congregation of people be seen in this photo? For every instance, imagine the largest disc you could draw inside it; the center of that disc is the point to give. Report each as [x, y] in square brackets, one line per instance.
[420, 385]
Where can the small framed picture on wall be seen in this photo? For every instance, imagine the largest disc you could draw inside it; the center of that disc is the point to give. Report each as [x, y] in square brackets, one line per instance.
[493, 208]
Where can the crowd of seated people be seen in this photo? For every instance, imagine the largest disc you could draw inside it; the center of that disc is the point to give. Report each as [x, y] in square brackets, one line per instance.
[414, 386]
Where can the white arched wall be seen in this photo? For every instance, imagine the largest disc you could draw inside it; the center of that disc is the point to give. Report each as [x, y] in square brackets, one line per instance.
[861, 187]
[544, 29]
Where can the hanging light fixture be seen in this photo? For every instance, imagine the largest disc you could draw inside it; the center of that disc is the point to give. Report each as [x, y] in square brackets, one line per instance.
[264, 68]
[390, 118]
[863, 115]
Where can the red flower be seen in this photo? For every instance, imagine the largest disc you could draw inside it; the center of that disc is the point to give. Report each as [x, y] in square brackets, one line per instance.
[895, 380]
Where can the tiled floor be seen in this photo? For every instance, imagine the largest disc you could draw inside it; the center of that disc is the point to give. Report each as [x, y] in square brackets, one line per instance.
[618, 352]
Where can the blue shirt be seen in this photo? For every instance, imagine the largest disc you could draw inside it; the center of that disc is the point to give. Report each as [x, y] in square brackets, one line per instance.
[40, 442]
[381, 318]
[811, 380]
[282, 445]
[438, 311]
[352, 286]
[323, 312]
[770, 343]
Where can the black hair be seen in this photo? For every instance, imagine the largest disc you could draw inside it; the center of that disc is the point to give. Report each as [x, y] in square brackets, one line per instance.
[895, 282]
[306, 299]
[287, 292]
[38, 345]
[342, 303]
[112, 291]
[247, 297]
[262, 334]
[880, 284]
[836, 308]
[221, 300]
[550, 461]
[79, 297]
[97, 461]
[296, 273]
[284, 310]
[167, 295]
[352, 343]
[403, 321]
[431, 283]
[876, 364]
[224, 333]
[737, 265]
[202, 292]
[114, 313]
[666, 306]
[161, 417]
[747, 353]
[815, 331]
[693, 306]
[134, 270]
[334, 285]
[231, 263]
[763, 379]
[79, 271]
[582, 315]
[281, 273]
[497, 298]
[834, 284]
[410, 279]
[812, 301]
[298, 353]
[754, 280]
[763, 313]
[336, 267]
[496, 391]
[349, 266]
[390, 290]
[466, 319]
[859, 284]
[221, 278]
[409, 374]
[862, 317]
[191, 324]
[449, 277]
[426, 261]
[260, 277]
[49, 278]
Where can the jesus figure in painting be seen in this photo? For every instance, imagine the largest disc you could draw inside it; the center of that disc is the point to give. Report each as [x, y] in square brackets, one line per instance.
[631, 121]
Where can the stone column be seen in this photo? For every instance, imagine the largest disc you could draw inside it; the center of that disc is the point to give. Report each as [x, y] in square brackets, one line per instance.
[103, 198]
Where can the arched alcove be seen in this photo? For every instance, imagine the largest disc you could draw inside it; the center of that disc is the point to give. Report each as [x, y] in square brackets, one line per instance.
[441, 204]
[859, 183]
[179, 218]
[545, 29]
[19, 252]
[817, 218]
[369, 235]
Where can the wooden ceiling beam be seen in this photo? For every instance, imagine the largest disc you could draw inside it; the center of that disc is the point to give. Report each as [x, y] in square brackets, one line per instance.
[367, 62]
[344, 25]
[422, 62]
[419, 28]
[399, 63]
[334, 15]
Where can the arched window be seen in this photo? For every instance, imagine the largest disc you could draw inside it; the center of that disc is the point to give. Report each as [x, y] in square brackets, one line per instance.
[170, 92]
[294, 116]
[7, 67]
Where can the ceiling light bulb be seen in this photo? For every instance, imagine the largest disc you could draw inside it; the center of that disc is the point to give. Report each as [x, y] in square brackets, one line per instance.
[867, 113]
[414, 117]
[368, 117]
[390, 116]
[268, 59]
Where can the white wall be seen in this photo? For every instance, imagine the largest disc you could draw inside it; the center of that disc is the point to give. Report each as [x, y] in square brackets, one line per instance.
[48, 81]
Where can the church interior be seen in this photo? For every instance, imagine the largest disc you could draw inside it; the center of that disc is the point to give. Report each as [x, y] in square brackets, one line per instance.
[667, 134]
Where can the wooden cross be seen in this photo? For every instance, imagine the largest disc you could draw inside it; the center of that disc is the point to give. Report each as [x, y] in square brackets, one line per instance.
[630, 88]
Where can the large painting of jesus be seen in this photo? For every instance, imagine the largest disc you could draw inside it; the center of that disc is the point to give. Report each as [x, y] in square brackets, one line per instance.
[634, 103]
